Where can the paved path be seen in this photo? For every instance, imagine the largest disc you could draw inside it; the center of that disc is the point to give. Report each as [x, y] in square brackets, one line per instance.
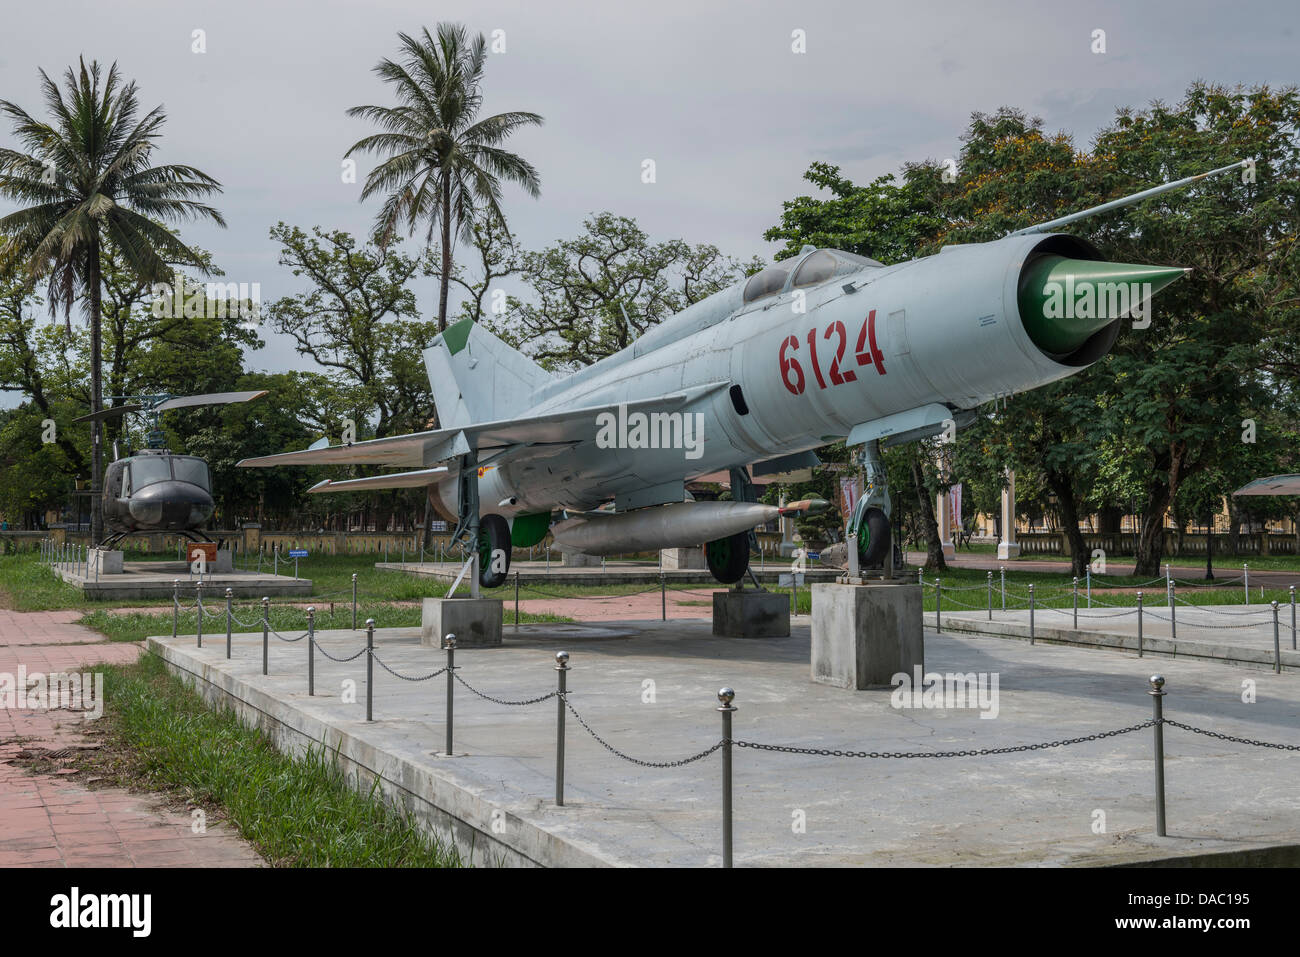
[48, 820]
[681, 604]
[1230, 568]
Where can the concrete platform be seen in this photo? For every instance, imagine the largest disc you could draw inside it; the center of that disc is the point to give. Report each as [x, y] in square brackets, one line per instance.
[1240, 635]
[614, 573]
[649, 689]
[154, 580]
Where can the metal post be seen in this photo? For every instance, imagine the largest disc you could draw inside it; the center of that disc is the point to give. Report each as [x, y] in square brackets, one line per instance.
[370, 669]
[1245, 579]
[726, 696]
[990, 580]
[450, 644]
[1002, 572]
[176, 605]
[1139, 598]
[295, 568]
[1293, 648]
[1173, 612]
[229, 619]
[663, 597]
[1031, 613]
[354, 601]
[311, 650]
[198, 600]
[562, 673]
[1076, 601]
[938, 604]
[275, 567]
[1089, 574]
[516, 599]
[1157, 692]
[266, 629]
[1277, 647]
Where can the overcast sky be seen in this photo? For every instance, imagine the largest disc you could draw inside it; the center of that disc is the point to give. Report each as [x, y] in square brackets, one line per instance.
[711, 91]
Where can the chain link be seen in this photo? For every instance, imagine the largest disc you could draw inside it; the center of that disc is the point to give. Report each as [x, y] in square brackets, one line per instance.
[395, 674]
[981, 752]
[332, 658]
[488, 697]
[1233, 738]
[627, 757]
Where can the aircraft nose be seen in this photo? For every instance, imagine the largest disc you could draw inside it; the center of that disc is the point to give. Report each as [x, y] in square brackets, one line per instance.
[1064, 301]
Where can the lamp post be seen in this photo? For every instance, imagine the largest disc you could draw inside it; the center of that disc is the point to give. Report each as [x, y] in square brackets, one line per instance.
[1209, 543]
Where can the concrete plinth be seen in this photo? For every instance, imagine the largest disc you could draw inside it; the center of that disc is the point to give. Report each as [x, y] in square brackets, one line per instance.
[863, 635]
[1008, 550]
[571, 559]
[683, 558]
[751, 614]
[103, 561]
[476, 622]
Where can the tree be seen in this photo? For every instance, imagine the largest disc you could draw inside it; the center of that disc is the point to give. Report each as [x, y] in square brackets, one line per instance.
[596, 293]
[87, 181]
[443, 164]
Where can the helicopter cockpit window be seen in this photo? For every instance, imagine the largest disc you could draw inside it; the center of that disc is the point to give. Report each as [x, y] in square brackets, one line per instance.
[194, 471]
[147, 470]
[768, 282]
[817, 268]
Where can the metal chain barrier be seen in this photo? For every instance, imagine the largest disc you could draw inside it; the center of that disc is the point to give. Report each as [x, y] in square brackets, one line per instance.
[340, 660]
[627, 757]
[488, 697]
[1230, 737]
[980, 752]
[396, 674]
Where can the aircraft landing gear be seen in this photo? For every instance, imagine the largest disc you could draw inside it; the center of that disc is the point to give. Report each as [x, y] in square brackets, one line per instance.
[870, 521]
[489, 534]
[728, 558]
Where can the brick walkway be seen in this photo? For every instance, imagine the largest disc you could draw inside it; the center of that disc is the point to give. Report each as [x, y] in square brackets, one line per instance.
[47, 820]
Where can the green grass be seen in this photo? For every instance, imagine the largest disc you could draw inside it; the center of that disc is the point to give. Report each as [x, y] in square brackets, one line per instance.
[300, 812]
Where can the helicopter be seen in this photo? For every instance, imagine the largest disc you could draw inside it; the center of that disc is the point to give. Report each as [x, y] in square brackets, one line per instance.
[153, 489]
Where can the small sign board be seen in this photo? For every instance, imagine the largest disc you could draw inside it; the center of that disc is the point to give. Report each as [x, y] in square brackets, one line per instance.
[813, 556]
[297, 553]
[438, 525]
[790, 578]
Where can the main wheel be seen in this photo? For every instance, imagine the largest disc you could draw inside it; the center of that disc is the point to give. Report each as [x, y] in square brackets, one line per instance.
[873, 538]
[493, 551]
[728, 557]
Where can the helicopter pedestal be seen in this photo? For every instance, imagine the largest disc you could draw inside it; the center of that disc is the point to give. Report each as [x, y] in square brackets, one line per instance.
[103, 561]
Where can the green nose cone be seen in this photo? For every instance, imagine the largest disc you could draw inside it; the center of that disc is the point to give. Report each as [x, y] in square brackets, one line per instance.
[1064, 301]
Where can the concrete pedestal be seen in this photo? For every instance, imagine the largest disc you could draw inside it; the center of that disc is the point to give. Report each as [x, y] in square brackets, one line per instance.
[103, 561]
[751, 614]
[683, 558]
[225, 562]
[1008, 550]
[476, 622]
[863, 635]
[572, 559]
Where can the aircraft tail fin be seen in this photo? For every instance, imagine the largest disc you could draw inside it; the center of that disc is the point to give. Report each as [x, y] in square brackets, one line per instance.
[476, 377]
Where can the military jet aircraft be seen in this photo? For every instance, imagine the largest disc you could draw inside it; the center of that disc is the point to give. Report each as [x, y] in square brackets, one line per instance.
[151, 489]
[823, 346]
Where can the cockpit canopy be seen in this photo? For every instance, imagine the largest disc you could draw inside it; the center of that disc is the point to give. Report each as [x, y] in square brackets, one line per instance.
[812, 269]
[143, 470]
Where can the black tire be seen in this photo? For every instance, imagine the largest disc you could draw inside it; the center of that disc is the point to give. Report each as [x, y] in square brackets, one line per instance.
[873, 539]
[493, 538]
[728, 557]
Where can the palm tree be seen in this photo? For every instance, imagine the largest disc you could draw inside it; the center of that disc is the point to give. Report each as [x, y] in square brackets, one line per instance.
[443, 164]
[85, 181]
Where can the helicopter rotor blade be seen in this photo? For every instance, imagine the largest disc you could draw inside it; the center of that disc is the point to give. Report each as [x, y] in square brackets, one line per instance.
[108, 413]
[211, 398]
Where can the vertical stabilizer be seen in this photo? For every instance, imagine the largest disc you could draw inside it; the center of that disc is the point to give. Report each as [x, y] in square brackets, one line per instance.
[478, 378]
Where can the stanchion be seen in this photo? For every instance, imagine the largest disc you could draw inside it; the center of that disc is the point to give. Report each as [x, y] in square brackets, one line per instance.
[1031, 613]
[354, 601]
[1293, 648]
[450, 644]
[1173, 610]
[726, 696]
[370, 669]
[198, 600]
[266, 629]
[1245, 579]
[562, 673]
[663, 594]
[176, 605]
[229, 613]
[1277, 647]
[516, 600]
[311, 650]
[938, 604]
[1139, 598]
[1002, 573]
[1076, 601]
[990, 581]
[1088, 572]
[1157, 693]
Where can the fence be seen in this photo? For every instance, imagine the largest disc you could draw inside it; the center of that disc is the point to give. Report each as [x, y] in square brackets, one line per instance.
[726, 709]
[1189, 545]
[1033, 600]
